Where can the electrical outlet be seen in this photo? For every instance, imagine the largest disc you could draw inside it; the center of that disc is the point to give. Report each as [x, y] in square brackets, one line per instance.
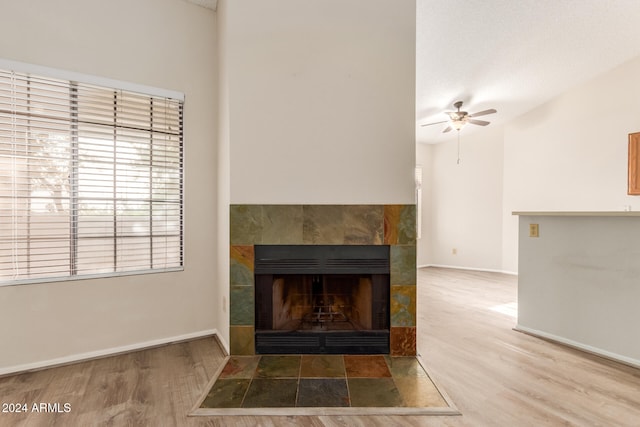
[454, 251]
[534, 231]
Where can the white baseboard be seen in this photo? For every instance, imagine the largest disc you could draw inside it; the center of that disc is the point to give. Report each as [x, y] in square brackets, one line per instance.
[60, 361]
[457, 267]
[579, 346]
[223, 343]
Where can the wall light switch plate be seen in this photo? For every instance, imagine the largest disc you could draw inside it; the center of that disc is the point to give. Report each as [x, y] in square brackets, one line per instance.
[533, 230]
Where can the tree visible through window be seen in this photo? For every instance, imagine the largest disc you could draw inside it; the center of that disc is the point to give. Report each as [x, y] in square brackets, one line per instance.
[90, 180]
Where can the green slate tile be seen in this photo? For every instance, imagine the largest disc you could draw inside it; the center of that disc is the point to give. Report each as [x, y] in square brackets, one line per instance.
[240, 367]
[278, 367]
[374, 392]
[282, 225]
[323, 392]
[226, 393]
[403, 265]
[363, 224]
[242, 340]
[242, 305]
[240, 274]
[405, 367]
[271, 393]
[323, 224]
[399, 224]
[245, 224]
[403, 305]
[407, 225]
[322, 365]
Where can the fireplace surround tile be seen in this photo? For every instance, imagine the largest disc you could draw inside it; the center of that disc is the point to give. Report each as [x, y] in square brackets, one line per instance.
[243, 255]
[245, 224]
[399, 224]
[323, 224]
[241, 266]
[403, 305]
[241, 302]
[240, 274]
[282, 224]
[392, 225]
[241, 340]
[403, 341]
[403, 265]
[363, 225]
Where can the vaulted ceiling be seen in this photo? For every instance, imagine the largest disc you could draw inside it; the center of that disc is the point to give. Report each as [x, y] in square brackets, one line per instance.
[511, 55]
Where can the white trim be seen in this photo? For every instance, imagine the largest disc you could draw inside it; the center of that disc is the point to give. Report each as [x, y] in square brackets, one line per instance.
[579, 346]
[105, 352]
[89, 276]
[315, 411]
[456, 267]
[223, 343]
[43, 71]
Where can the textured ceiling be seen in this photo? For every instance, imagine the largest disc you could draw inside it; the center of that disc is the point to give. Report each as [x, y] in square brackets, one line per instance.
[513, 55]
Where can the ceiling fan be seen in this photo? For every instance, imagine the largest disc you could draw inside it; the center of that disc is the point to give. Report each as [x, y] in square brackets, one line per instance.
[457, 119]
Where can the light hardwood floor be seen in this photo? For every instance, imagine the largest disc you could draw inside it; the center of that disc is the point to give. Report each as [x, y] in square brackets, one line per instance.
[495, 376]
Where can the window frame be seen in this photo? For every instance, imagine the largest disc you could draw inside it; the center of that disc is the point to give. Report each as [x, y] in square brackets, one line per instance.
[74, 237]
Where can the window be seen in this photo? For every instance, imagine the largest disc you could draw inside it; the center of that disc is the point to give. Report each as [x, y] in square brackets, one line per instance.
[91, 180]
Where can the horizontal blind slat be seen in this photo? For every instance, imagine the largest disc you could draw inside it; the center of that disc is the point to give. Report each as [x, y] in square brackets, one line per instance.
[93, 179]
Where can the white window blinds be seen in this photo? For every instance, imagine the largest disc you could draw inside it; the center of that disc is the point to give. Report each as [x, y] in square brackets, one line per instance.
[91, 180]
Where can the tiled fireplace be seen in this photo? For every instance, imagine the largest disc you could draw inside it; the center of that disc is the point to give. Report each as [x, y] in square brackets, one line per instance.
[391, 228]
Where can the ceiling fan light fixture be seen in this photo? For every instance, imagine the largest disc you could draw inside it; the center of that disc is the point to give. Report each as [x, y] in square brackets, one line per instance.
[458, 124]
[457, 119]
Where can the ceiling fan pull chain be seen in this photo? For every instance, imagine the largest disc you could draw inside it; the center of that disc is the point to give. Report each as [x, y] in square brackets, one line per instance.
[458, 147]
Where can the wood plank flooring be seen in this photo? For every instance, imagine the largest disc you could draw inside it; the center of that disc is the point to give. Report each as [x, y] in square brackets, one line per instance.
[495, 376]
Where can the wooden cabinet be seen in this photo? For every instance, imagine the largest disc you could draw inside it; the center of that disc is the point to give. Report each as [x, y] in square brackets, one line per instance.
[634, 164]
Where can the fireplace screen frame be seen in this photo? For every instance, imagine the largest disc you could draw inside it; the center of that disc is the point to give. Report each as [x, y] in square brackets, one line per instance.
[371, 262]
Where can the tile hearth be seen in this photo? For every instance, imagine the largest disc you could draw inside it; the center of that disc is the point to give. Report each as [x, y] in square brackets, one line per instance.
[331, 383]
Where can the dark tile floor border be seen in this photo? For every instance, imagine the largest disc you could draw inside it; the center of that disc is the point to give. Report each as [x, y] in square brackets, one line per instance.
[318, 411]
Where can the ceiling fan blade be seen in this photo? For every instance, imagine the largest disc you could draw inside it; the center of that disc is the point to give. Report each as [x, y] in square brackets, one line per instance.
[436, 123]
[478, 122]
[483, 113]
[448, 128]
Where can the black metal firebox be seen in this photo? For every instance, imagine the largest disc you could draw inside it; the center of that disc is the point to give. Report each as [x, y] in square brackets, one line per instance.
[330, 299]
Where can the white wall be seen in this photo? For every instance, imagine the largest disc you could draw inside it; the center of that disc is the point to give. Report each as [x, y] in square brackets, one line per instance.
[322, 101]
[571, 153]
[163, 43]
[465, 205]
[578, 282]
[224, 176]
[424, 245]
